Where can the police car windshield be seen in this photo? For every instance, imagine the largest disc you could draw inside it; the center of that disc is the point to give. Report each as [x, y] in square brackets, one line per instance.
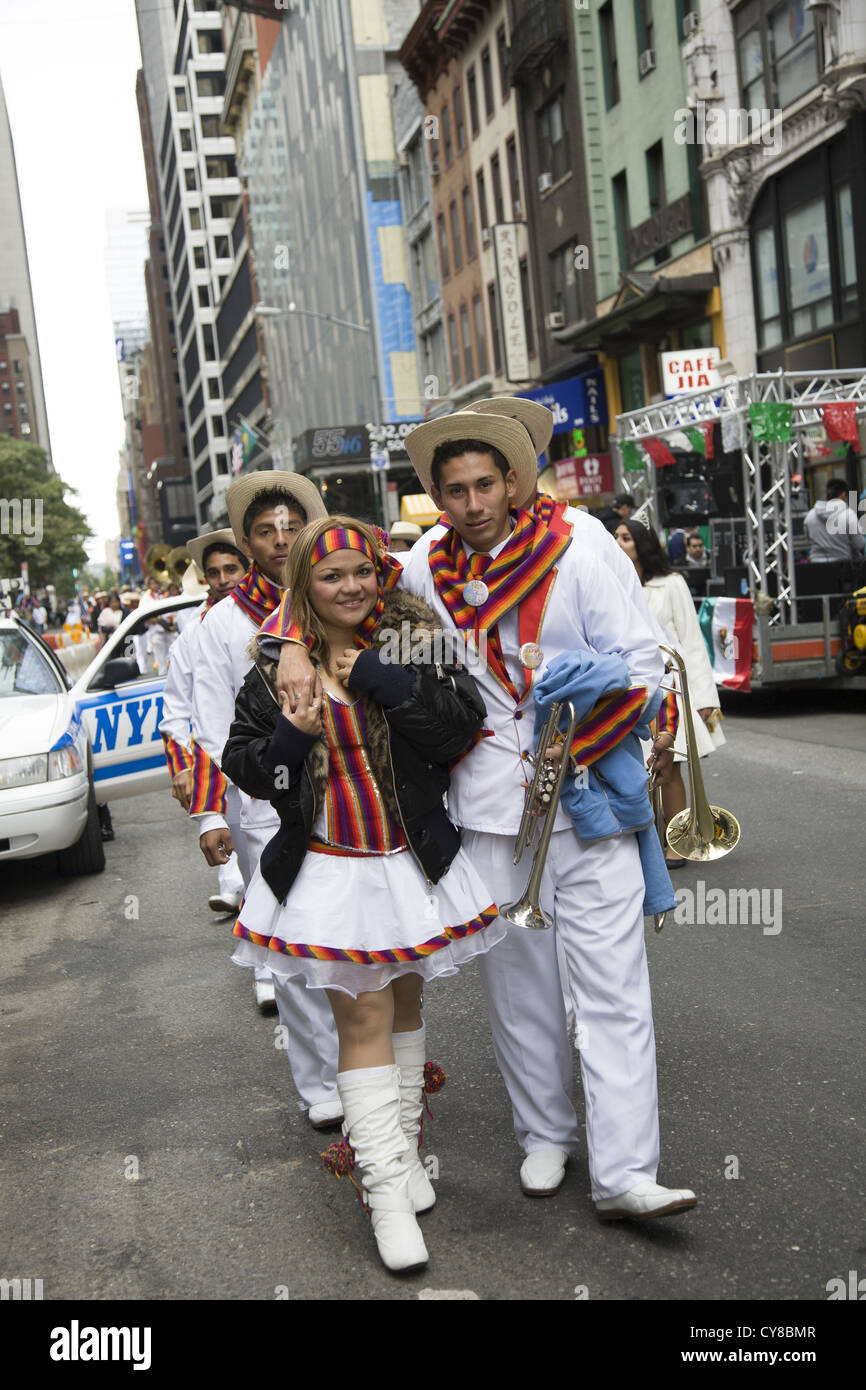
[23, 668]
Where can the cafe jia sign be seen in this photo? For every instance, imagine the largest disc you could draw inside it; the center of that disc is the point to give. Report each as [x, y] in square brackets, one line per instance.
[690, 369]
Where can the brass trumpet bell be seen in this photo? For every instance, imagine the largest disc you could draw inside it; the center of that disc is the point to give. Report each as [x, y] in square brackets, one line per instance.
[544, 790]
[701, 832]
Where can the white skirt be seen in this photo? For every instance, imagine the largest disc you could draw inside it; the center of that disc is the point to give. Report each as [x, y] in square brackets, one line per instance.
[355, 923]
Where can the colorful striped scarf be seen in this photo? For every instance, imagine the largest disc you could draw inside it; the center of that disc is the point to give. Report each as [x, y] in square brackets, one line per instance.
[527, 557]
[257, 595]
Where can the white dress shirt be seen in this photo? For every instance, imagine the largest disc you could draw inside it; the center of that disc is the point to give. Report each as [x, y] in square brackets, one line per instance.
[588, 610]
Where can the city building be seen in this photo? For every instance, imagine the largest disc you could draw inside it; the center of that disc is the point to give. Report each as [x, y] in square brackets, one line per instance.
[322, 174]
[777, 92]
[457, 55]
[652, 263]
[184, 66]
[17, 314]
[17, 403]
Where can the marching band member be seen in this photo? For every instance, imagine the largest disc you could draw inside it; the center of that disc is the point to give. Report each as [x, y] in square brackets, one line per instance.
[267, 510]
[216, 558]
[536, 592]
[670, 602]
[365, 891]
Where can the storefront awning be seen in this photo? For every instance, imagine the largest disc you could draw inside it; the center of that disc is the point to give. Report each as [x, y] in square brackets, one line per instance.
[420, 509]
[646, 308]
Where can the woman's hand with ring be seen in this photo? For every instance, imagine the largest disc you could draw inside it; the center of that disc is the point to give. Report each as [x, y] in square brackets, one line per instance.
[307, 714]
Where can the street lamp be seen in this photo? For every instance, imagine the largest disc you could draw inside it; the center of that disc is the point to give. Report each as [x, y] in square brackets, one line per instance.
[269, 311]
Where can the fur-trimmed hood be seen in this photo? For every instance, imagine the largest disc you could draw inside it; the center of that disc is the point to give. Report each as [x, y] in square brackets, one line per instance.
[400, 607]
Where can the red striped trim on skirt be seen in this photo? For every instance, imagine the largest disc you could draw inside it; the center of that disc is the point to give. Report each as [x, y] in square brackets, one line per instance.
[395, 956]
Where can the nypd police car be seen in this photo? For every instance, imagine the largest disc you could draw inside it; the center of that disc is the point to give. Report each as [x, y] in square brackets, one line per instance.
[67, 746]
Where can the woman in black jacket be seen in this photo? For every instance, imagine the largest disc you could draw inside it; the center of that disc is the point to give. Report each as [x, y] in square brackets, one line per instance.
[364, 891]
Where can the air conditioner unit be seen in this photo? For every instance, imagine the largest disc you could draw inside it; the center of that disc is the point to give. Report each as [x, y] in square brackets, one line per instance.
[691, 23]
[554, 320]
[403, 159]
[518, 210]
[545, 181]
[646, 62]
[485, 236]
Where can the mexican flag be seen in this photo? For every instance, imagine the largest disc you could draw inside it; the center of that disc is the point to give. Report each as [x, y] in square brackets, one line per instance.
[726, 624]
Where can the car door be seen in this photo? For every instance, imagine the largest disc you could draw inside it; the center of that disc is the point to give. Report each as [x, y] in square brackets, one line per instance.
[123, 719]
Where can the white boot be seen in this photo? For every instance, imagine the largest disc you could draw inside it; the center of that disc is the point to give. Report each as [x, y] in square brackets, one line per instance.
[371, 1104]
[410, 1054]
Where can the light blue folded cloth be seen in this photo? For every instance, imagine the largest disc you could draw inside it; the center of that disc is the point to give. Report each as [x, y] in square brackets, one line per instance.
[611, 797]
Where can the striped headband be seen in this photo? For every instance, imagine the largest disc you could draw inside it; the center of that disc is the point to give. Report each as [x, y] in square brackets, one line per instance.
[341, 538]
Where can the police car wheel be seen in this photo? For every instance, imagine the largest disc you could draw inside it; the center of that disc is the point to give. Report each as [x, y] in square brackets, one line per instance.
[87, 855]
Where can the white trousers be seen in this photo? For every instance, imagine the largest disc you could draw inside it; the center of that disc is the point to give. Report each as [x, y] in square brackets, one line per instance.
[594, 891]
[230, 878]
[309, 1033]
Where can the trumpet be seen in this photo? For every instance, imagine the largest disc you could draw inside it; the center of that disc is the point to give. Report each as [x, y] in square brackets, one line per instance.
[701, 832]
[545, 787]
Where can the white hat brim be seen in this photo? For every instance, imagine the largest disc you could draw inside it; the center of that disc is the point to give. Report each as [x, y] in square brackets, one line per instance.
[246, 489]
[504, 433]
[199, 544]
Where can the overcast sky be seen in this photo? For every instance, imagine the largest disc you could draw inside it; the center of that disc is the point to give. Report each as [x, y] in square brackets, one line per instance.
[68, 70]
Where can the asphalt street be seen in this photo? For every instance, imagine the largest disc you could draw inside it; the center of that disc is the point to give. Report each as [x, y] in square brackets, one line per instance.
[153, 1149]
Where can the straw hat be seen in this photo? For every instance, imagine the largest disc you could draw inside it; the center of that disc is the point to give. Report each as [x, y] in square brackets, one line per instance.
[536, 418]
[405, 531]
[504, 432]
[245, 489]
[199, 545]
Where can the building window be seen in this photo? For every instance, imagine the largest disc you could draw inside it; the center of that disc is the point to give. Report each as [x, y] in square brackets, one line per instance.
[487, 80]
[203, 296]
[469, 223]
[189, 180]
[644, 20]
[514, 177]
[199, 259]
[655, 177]
[609, 65]
[809, 277]
[527, 307]
[777, 51]
[845, 237]
[456, 374]
[211, 84]
[482, 198]
[472, 91]
[767, 276]
[502, 51]
[553, 157]
[425, 270]
[493, 309]
[220, 167]
[496, 176]
[456, 239]
[186, 141]
[195, 219]
[467, 343]
[210, 127]
[620, 212]
[480, 342]
[459, 124]
[564, 284]
[445, 125]
[443, 247]
[180, 100]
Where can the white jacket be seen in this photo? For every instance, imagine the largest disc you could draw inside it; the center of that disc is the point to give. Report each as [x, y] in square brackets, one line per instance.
[671, 604]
